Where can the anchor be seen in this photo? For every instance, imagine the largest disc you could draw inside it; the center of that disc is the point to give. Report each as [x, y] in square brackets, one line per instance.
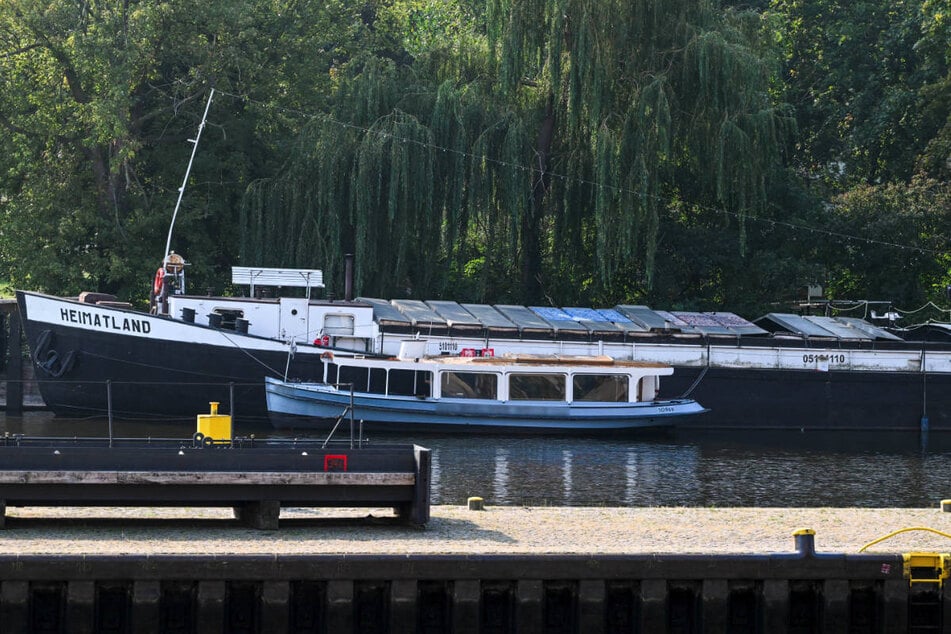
[48, 360]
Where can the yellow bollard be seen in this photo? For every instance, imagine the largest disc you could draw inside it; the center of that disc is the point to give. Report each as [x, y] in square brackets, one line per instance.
[214, 425]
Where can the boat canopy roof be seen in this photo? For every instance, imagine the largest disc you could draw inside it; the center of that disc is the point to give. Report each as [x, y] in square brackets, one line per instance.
[420, 315]
[386, 314]
[528, 322]
[559, 319]
[869, 329]
[457, 317]
[811, 326]
[490, 318]
[547, 322]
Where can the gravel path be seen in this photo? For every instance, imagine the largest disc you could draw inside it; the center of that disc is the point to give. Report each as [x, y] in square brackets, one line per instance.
[455, 529]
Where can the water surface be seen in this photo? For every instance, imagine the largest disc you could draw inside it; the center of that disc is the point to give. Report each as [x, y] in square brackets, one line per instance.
[812, 469]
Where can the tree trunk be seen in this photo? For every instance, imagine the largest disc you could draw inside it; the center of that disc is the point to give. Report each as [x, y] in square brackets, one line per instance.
[531, 261]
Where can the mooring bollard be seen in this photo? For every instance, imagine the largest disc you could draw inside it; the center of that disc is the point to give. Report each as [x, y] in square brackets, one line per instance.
[805, 542]
[476, 504]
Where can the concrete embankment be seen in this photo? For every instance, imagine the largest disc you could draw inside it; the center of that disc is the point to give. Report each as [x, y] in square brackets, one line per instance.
[504, 569]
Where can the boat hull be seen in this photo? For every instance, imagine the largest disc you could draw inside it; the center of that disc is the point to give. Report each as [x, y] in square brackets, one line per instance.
[149, 366]
[837, 400]
[310, 406]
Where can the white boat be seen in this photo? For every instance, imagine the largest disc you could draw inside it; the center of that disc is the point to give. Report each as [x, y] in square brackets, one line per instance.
[513, 392]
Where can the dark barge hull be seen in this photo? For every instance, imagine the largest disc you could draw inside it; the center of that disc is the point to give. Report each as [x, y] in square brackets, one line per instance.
[78, 370]
[798, 399]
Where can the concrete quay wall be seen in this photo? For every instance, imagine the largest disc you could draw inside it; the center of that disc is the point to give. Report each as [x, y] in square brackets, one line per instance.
[504, 569]
[454, 593]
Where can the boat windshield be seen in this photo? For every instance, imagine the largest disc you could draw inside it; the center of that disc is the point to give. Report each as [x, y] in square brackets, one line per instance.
[469, 385]
[611, 388]
[537, 387]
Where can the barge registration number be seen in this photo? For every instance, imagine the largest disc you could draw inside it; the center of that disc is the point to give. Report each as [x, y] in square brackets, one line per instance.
[831, 358]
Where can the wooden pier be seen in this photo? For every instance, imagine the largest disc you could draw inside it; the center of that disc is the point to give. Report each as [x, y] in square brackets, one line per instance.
[254, 477]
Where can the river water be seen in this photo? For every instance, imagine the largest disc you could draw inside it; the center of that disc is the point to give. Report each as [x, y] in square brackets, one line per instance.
[680, 468]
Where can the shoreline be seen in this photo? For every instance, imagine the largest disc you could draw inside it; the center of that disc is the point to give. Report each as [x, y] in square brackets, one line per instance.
[497, 530]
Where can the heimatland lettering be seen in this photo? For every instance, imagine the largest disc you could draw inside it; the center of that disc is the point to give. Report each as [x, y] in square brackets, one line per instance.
[106, 322]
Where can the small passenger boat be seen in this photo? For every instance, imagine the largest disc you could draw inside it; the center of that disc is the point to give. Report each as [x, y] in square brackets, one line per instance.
[480, 393]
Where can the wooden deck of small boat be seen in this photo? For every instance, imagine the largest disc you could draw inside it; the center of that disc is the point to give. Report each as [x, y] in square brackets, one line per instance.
[547, 360]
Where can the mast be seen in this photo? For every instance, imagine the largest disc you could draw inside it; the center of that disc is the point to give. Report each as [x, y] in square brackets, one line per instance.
[181, 190]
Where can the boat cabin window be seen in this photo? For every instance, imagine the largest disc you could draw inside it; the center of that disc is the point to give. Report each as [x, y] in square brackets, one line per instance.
[469, 385]
[372, 380]
[338, 325]
[411, 383]
[610, 388]
[537, 387]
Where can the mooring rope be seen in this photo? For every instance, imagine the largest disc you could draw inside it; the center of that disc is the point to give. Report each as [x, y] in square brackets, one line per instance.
[696, 382]
[904, 530]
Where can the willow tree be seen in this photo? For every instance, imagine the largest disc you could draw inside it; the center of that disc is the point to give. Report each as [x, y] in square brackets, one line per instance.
[532, 148]
[640, 106]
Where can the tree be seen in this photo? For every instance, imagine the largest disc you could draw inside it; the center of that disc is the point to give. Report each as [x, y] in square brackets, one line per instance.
[897, 246]
[99, 99]
[556, 133]
[862, 77]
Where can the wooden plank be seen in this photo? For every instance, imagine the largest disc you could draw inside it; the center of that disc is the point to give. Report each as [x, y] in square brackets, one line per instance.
[329, 478]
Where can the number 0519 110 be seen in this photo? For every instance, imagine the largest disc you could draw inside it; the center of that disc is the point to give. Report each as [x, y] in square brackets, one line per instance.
[816, 358]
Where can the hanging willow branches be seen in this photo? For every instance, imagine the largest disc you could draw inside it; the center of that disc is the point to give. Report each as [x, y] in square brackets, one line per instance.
[551, 143]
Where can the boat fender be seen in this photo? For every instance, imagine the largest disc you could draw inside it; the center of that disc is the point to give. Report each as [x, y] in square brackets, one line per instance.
[159, 281]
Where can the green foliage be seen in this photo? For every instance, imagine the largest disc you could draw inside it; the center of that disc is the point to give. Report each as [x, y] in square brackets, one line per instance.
[554, 142]
[868, 266]
[868, 80]
[682, 153]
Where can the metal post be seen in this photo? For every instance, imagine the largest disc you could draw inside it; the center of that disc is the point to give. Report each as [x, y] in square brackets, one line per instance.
[15, 368]
[925, 424]
[231, 405]
[109, 407]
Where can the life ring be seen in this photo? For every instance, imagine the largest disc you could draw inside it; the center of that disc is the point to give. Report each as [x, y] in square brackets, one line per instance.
[159, 281]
